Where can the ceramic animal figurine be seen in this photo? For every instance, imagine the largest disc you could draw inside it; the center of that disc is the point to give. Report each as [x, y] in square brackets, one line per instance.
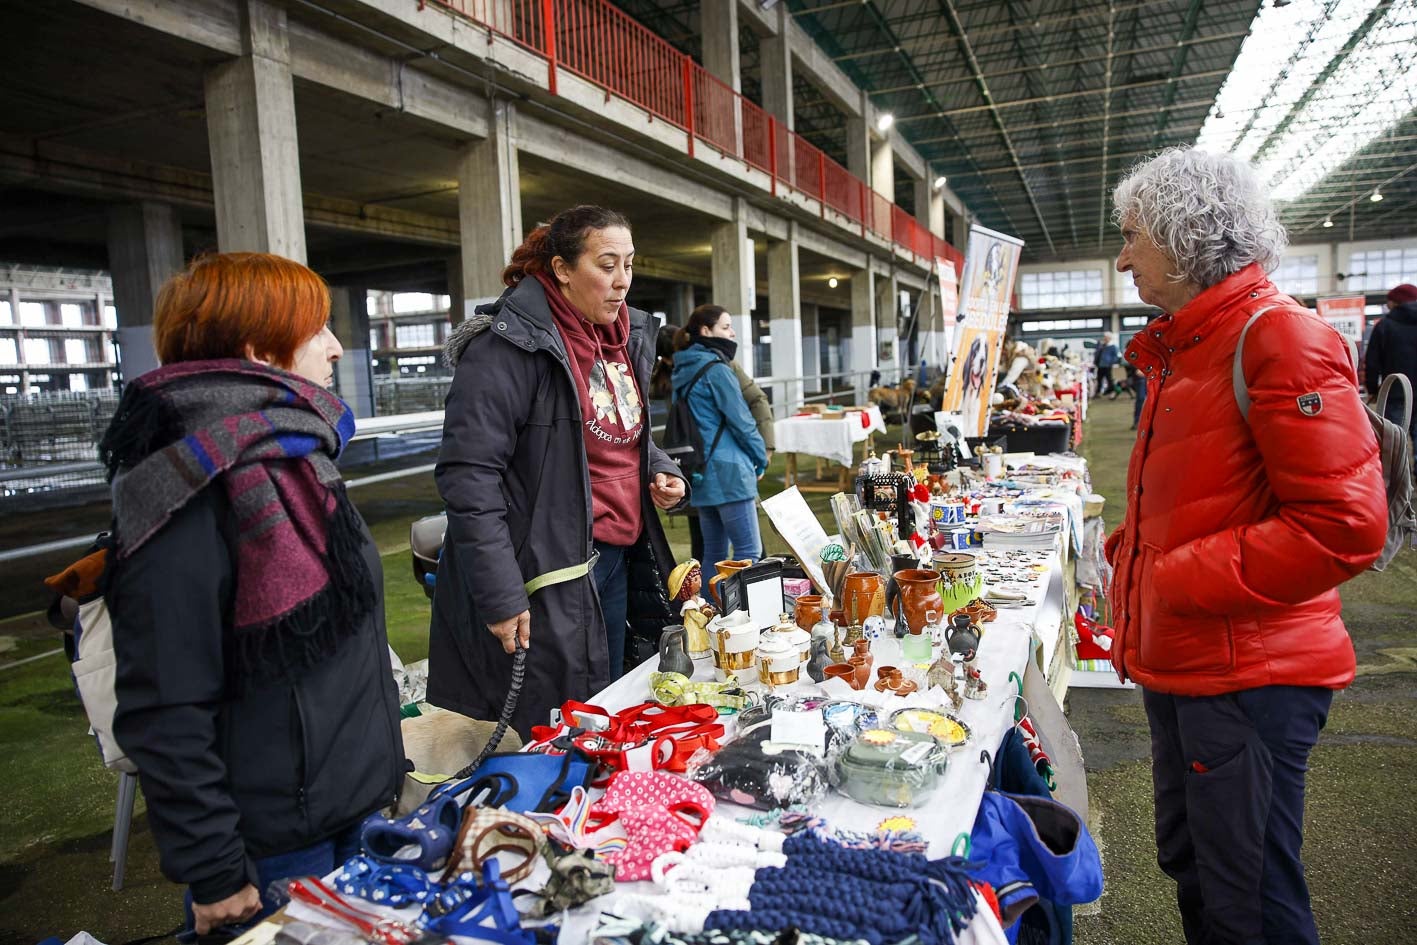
[821, 659]
[672, 656]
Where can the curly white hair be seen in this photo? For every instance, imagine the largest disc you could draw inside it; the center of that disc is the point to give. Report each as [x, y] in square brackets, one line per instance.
[1208, 212]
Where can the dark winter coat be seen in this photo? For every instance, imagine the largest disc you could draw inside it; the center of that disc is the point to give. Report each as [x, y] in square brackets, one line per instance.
[235, 776]
[512, 470]
[1392, 349]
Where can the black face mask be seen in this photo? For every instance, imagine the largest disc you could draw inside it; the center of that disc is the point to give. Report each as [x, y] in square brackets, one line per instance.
[724, 346]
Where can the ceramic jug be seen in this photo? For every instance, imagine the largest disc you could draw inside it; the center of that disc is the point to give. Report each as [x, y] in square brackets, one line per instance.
[863, 595]
[913, 594]
[725, 568]
[673, 658]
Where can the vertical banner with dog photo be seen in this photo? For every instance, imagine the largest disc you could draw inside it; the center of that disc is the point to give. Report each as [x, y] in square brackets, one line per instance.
[990, 264]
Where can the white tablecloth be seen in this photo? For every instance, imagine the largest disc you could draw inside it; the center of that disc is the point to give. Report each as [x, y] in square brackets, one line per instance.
[829, 439]
[1005, 648]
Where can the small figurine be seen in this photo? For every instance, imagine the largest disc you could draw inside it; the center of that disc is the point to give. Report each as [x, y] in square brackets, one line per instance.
[685, 583]
[974, 685]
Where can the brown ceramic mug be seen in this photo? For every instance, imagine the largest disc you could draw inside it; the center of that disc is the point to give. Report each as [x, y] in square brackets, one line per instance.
[807, 612]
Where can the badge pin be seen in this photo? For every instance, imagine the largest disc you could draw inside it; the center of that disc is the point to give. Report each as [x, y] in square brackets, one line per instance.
[1310, 405]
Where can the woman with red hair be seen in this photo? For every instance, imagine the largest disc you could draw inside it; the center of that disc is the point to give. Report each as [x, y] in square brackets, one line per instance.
[254, 688]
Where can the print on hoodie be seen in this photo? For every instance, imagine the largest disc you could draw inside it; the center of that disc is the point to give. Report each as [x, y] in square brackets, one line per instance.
[616, 401]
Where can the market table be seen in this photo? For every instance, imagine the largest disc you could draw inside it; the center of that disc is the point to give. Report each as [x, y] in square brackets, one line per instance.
[834, 439]
[1008, 643]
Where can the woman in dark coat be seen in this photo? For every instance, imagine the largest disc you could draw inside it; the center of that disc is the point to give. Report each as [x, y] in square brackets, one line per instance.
[551, 479]
[252, 666]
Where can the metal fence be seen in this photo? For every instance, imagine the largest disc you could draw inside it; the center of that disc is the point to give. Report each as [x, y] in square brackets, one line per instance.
[395, 396]
[50, 440]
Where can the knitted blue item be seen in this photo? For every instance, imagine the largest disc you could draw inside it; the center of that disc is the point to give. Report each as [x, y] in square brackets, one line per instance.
[876, 895]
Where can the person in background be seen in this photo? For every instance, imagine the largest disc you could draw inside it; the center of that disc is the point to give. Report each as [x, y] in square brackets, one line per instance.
[726, 491]
[550, 478]
[255, 692]
[1392, 349]
[1106, 358]
[715, 321]
[1230, 553]
[1136, 383]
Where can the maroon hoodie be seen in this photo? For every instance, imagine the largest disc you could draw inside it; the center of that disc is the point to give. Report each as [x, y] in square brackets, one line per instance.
[612, 414]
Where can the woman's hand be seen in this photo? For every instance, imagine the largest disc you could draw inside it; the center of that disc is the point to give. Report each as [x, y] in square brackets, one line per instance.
[232, 910]
[667, 491]
[512, 629]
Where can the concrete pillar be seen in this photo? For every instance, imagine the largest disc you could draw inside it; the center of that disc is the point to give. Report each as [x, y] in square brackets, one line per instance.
[887, 337]
[455, 293]
[251, 133]
[354, 373]
[883, 169]
[961, 234]
[861, 359]
[858, 148]
[775, 63]
[144, 250]
[932, 332]
[811, 348]
[681, 303]
[930, 207]
[489, 207]
[718, 26]
[733, 285]
[785, 303]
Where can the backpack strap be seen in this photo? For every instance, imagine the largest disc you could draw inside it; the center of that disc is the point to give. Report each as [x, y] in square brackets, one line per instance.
[1386, 388]
[1237, 370]
[717, 359]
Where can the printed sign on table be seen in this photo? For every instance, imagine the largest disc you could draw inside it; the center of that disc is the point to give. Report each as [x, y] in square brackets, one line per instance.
[990, 264]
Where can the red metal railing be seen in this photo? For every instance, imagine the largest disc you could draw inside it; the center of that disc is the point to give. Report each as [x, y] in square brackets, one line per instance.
[596, 41]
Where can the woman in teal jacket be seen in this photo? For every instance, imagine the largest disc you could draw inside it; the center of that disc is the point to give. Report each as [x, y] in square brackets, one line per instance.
[726, 492]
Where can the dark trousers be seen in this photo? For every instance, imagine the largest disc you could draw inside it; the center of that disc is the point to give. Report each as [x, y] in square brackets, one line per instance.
[612, 583]
[1228, 779]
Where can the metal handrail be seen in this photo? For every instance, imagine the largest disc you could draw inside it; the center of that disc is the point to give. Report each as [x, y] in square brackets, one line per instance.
[603, 45]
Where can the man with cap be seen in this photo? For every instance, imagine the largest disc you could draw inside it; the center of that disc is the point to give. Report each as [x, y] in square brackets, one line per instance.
[1392, 347]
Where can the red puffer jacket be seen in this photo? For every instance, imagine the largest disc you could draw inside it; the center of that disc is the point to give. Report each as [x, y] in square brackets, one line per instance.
[1238, 534]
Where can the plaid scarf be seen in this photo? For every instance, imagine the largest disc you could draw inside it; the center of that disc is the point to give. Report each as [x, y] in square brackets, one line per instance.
[270, 438]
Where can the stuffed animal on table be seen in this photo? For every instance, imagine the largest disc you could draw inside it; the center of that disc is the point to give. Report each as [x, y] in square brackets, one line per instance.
[685, 583]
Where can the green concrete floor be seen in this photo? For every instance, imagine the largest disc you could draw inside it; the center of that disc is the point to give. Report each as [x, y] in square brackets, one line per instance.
[58, 802]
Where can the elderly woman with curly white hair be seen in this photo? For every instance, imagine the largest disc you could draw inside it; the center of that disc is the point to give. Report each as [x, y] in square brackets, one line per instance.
[1239, 526]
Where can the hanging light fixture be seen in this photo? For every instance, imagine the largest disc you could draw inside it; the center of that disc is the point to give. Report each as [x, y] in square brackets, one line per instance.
[884, 121]
[1376, 195]
[831, 283]
[1328, 222]
[939, 181]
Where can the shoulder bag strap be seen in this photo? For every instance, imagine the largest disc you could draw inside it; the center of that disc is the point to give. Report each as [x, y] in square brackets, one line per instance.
[1237, 370]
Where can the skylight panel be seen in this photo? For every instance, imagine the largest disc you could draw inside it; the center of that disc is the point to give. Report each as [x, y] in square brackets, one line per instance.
[1262, 113]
